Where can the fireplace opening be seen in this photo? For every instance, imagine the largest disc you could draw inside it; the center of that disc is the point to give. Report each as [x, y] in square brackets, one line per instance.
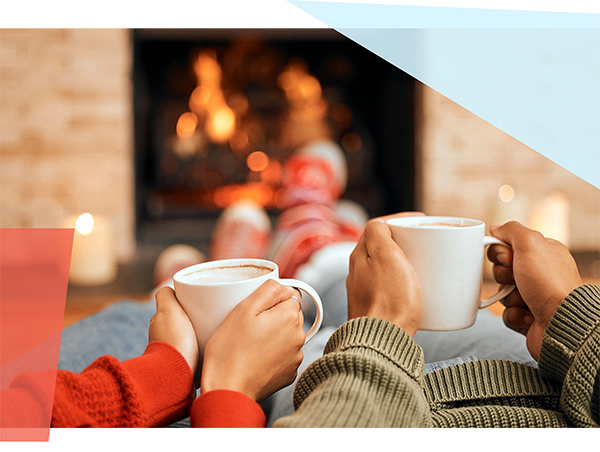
[217, 112]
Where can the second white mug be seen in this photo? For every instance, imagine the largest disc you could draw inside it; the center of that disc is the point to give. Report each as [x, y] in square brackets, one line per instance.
[447, 255]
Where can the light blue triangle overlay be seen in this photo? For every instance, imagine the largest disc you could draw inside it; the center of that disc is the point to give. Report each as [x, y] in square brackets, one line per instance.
[361, 15]
[539, 85]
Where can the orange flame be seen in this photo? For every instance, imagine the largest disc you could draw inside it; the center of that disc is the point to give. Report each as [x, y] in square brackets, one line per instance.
[221, 124]
[186, 125]
[257, 161]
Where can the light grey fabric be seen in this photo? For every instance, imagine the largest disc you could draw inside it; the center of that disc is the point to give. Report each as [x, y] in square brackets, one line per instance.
[121, 330]
[488, 338]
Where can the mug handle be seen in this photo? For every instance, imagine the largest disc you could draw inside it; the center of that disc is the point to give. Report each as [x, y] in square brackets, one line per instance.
[487, 240]
[317, 300]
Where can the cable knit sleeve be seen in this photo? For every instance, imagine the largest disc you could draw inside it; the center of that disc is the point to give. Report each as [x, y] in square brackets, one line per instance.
[571, 355]
[152, 390]
[370, 375]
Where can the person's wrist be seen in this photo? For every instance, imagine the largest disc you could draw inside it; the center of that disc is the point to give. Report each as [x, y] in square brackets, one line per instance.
[208, 383]
[407, 323]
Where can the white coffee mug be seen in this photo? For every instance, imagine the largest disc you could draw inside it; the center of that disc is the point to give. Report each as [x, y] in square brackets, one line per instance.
[208, 303]
[447, 255]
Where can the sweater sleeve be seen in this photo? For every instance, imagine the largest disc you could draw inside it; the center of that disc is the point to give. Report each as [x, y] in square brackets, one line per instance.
[370, 375]
[152, 390]
[222, 408]
[570, 355]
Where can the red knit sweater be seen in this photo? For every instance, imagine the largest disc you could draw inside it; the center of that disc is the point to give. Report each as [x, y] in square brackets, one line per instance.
[153, 390]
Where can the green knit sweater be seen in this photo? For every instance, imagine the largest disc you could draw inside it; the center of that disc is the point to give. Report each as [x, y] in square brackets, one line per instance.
[371, 375]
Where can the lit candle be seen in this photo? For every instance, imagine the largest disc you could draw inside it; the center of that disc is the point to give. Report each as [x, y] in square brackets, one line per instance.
[509, 206]
[93, 260]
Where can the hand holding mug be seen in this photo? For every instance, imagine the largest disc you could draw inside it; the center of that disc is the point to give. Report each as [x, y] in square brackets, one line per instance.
[209, 291]
[544, 272]
[258, 347]
[382, 283]
[171, 324]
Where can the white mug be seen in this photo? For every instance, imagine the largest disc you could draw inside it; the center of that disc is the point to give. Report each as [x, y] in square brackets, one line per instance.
[447, 255]
[208, 303]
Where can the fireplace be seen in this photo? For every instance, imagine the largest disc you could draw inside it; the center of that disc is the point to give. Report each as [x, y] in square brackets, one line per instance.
[216, 113]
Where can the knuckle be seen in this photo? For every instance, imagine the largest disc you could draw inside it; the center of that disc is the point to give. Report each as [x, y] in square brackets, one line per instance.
[557, 244]
[272, 284]
[273, 288]
[532, 240]
[163, 292]
[291, 311]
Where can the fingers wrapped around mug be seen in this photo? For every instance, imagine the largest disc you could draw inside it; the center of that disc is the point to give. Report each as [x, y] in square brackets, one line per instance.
[382, 283]
[171, 325]
[502, 258]
[258, 347]
[544, 272]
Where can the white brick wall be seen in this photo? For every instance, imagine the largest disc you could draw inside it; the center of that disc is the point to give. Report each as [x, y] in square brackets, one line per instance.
[464, 161]
[66, 142]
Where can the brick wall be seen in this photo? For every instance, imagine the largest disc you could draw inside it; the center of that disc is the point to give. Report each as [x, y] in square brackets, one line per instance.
[464, 161]
[65, 128]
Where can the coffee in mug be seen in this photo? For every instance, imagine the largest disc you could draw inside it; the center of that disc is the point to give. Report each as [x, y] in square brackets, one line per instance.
[447, 255]
[444, 225]
[208, 292]
[219, 275]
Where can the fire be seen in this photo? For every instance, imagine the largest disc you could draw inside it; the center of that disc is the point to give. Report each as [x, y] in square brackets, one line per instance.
[199, 98]
[221, 124]
[186, 125]
[208, 101]
[307, 108]
[299, 86]
[220, 116]
[208, 71]
[257, 161]
[260, 193]
[272, 173]
[240, 143]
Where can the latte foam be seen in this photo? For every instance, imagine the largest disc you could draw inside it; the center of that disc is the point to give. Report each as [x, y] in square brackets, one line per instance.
[220, 275]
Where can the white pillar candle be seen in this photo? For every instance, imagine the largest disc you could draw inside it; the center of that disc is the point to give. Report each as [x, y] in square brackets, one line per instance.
[506, 206]
[514, 210]
[550, 216]
[93, 260]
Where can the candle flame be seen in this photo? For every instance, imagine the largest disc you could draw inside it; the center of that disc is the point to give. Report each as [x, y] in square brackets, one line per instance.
[84, 223]
[506, 193]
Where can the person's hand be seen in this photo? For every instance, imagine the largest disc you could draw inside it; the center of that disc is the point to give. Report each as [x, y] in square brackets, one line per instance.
[382, 283]
[171, 324]
[258, 348]
[543, 271]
